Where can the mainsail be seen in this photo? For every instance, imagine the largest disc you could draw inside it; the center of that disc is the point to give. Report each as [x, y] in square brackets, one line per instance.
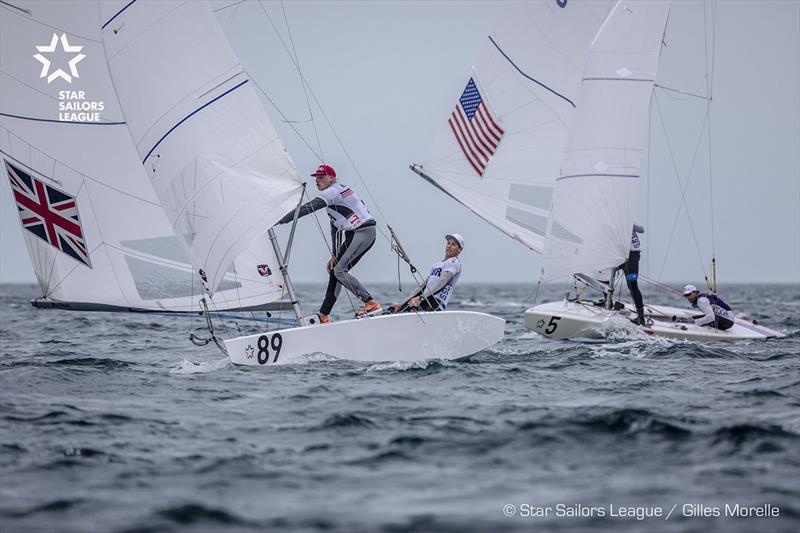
[215, 161]
[96, 231]
[592, 213]
[528, 79]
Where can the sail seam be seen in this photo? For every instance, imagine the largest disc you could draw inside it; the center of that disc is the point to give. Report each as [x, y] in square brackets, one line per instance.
[187, 117]
[527, 76]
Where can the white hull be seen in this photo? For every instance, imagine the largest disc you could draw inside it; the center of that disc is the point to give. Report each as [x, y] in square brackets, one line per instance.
[400, 337]
[568, 320]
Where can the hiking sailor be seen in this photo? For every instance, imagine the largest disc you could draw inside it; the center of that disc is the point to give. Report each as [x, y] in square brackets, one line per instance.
[716, 313]
[440, 283]
[631, 269]
[351, 220]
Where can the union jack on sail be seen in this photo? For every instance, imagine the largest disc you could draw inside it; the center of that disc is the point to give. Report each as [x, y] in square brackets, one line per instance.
[476, 131]
[48, 213]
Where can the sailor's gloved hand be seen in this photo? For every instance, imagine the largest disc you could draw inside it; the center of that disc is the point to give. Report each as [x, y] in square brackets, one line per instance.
[331, 263]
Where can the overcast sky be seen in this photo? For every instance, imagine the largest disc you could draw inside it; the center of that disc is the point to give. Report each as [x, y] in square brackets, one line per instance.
[388, 74]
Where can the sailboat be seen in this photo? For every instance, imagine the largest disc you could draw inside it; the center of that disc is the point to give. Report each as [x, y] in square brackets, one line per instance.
[563, 177]
[147, 173]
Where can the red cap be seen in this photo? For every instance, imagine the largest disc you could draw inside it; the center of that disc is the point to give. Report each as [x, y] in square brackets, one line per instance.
[324, 170]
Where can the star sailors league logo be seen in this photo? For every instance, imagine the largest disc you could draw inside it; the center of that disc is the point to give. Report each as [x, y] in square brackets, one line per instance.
[48, 213]
[47, 63]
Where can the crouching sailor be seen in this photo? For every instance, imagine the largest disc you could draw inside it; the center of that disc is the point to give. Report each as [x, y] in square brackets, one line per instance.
[351, 220]
[440, 283]
[716, 313]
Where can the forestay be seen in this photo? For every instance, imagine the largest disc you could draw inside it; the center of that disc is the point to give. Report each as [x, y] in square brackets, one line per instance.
[97, 235]
[214, 158]
[528, 79]
[592, 217]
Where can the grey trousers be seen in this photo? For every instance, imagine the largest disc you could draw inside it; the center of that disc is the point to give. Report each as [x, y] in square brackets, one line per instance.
[356, 244]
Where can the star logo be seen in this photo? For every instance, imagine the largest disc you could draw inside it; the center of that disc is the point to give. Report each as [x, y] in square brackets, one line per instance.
[540, 324]
[249, 351]
[67, 49]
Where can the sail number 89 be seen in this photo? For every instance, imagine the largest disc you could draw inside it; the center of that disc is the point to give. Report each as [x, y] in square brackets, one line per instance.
[264, 345]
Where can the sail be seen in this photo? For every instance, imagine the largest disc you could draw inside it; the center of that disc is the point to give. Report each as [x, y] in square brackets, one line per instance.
[213, 157]
[526, 81]
[95, 230]
[592, 213]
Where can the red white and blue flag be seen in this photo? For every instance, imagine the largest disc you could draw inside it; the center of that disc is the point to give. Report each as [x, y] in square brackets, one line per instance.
[48, 213]
[476, 131]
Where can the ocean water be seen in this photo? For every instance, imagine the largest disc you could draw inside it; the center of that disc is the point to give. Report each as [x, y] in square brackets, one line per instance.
[117, 423]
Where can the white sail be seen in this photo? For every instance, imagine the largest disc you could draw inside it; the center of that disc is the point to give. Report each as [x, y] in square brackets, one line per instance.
[592, 216]
[114, 248]
[528, 77]
[214, 158]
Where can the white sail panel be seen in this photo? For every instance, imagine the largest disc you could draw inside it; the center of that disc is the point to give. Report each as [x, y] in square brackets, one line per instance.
[132, 259]
[214, 158]
[592, 214]
[528, 76]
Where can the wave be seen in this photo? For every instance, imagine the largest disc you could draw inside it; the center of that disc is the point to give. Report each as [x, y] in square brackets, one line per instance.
[197, 513]
[190, 367]
[52, 506]
[343, 421]
[434, 365]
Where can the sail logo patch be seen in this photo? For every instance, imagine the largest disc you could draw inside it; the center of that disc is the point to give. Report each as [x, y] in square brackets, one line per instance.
[66, 49]
[264, 270]
[48, 213]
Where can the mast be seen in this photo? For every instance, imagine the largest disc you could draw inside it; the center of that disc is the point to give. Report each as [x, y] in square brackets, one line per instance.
[284, 268]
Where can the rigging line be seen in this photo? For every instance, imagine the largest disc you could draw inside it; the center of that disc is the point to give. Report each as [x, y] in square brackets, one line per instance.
[330, 125]
[285, 118]
[230, 22]
[229, 5]
[296, 64]
[649, 177]
[709, 88]
[302, 80]
[681, 91]
[682, 188]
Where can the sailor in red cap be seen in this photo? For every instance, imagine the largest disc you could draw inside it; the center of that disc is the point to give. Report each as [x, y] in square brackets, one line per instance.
[352, 233]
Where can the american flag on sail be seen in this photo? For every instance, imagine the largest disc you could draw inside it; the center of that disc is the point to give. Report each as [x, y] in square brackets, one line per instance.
[477, 133]
[48, 213]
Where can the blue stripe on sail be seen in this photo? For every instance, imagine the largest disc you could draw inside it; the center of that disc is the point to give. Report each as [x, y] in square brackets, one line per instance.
[62, 121]
[189, 116]
[530, 78]
[598, 175]
[118, 14]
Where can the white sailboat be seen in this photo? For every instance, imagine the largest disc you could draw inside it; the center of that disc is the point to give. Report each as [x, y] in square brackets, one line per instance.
[183, 151]
[94, 228]
[582, 223]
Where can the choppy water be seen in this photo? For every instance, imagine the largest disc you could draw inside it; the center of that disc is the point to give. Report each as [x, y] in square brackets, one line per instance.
[115, 422]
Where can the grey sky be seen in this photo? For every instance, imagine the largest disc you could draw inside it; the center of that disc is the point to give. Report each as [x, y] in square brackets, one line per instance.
[388, 74]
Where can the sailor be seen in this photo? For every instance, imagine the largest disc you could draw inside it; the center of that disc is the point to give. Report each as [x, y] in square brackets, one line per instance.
[631, 269]
[352, 234]
[716, 313]
[440, 283]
